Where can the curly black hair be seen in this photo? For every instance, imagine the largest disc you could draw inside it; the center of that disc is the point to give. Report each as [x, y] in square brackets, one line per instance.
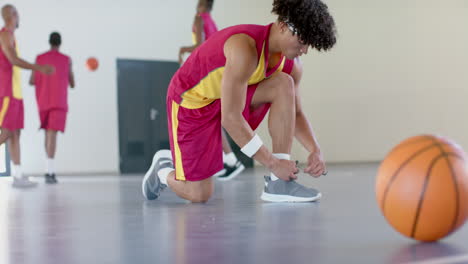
[309, 19]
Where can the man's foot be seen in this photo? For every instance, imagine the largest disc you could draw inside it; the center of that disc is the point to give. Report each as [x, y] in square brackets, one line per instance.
[50, 178]
[151, 185]
[230, 172]
[288, 191]
[219, 173]
[23, 182]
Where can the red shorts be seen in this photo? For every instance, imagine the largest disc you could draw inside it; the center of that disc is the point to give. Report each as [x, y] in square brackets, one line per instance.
[53, 119]
[11, 113]
[195, 136]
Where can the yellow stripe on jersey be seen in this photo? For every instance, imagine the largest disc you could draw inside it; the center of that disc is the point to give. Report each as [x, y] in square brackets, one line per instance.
[259, 73]
[209, 88]
[6, 103]
[205, 92]
[180, 174]
[16, 80]
[194, 38]
[280, 68]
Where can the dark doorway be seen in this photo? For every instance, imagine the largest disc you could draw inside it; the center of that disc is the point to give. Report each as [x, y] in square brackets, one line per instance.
[142, 87]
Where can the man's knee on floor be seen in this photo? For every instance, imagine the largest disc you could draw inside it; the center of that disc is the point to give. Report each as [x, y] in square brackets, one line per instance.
[201, 196]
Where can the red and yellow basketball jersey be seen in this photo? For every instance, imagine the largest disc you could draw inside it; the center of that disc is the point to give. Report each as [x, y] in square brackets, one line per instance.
[209, 27]
[10, 78]
[198, 82]
[52, 90]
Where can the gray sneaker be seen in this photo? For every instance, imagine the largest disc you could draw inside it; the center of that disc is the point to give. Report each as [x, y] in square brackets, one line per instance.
[23, 182]
[151, 185]
[288, 191]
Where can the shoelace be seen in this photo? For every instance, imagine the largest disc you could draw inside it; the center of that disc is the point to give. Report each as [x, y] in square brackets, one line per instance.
[302, 168]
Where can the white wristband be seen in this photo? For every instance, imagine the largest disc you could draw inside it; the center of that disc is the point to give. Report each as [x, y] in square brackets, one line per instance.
[253, 146]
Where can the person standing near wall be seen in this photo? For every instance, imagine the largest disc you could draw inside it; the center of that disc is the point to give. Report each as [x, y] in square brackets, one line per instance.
[11, 99]
[52, 98]
[203, 27]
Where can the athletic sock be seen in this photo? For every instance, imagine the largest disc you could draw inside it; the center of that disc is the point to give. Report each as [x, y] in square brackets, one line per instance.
[284, 156]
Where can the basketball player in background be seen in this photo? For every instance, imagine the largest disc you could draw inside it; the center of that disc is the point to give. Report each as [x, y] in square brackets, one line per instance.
[203, 27]
[52, 98]
[11, 99]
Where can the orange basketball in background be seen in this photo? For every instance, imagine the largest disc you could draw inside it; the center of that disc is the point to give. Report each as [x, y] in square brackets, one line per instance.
[422, 187]
[92, 64]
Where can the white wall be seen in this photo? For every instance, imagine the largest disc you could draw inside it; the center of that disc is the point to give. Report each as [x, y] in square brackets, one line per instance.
[107, 30]
[398, 70]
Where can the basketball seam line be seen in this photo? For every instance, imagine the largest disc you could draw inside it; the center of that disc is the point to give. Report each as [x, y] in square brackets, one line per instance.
[426, 183]
[423, 192]
[395, 175]
[421, 196]
[457, 192]
[454, 179]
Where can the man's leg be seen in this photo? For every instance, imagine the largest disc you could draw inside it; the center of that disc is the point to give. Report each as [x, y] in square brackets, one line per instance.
[5, 135]
[279, 91]
[14, 147]
[226, 146]
[5, 121]
[194, 191]
[232, 166]
[51, 143]
[196, 155]
[162, 173]
[15, 155]
[50, 146]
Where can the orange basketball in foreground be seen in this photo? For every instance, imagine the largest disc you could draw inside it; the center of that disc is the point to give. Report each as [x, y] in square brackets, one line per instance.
[422, 187]
[92, 64]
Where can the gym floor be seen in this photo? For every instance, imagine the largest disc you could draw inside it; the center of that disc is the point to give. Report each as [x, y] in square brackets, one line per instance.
[104, 219]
